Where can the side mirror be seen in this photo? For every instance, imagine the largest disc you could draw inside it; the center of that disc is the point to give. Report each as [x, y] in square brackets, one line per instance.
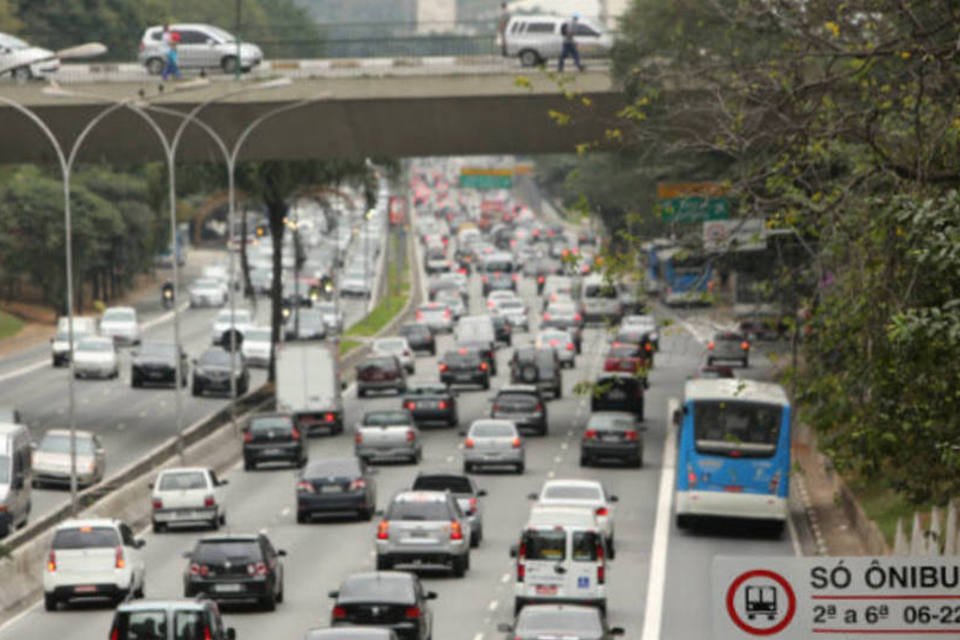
[614, 499]
[231, 633]
[677, 417]
[462, 432]
[282, 552]
[222, 482]
[333, 594]
[532, 496]
[513, 551]
[505, 627]
[139, 543]
[617, 631]
[430, 595]
[481, 493]
[188, 555]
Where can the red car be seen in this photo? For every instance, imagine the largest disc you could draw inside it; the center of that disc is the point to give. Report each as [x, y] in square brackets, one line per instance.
[629, 358]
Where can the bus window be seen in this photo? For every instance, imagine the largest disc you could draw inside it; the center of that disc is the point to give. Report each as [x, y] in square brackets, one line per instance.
[736, 429]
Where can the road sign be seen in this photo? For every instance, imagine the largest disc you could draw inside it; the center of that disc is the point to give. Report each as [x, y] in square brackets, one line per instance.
[666, 190]
[742, 234]
[486, 178]
[694, 209]
[903, 598]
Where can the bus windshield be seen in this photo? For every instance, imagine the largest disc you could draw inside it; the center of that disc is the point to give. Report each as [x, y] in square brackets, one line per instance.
[736, 429]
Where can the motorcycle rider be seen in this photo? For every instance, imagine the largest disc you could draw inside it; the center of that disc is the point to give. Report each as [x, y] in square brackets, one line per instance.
[166, 293]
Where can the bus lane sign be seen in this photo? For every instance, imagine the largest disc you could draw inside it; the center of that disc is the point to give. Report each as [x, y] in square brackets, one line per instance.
[899, 597]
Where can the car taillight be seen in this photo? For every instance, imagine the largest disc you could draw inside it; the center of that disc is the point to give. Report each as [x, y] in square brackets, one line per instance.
[157, 503]
[774, 483]
[411, 435]
[632, 435]
[483, 366]
[602, 511]
[472, 506]
[577, 317]
[357, 484]
[442, 404]
[601, 574]
[546, 317]
[419, 315]
[447, 314]
[515, 277]
[570, 346]
[52, 561]
[383, 530]
[485, 278]
[207, 634]
[358, 438]
[691, 476]
[468, 443]
[295, 433]
[456, 531]
[745, 345]
[339, 613]
[199, 570]
[538, 408]
[443, 366]
[257, 569]
[119, 562]
[540, 279]
[710, 345]
[515, 442]
[209, 501]
[115, 632]
[410, 404]
[330, 417]
[305, 487]
[247, 436]
[590, 434]
[648, 347]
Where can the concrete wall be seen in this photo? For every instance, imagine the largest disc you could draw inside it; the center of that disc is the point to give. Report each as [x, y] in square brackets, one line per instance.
[436, 16]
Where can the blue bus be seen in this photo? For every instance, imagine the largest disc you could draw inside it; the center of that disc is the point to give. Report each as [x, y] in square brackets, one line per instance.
[733, 452]
[684, 276]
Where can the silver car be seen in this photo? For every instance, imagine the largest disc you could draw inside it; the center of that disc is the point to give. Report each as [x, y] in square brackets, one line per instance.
[436, 315]
[24, 61]
[424, 529]
[96, 357]
[332, 316]
[561, 342]
[208, 292]
[491, 442]
[256, 346]
[534, 39]
[398, 347]
[121, 324]
[388, 435]
[200, 46]
[51, 459]
[514, 312]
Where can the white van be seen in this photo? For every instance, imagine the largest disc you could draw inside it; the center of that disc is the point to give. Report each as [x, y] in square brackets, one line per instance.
[562, 557]
[536, 39]
[471, 329]
[16, 476]
[600, 299]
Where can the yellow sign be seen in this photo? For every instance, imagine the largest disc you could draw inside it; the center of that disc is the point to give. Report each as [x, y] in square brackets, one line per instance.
[523, 169]
[667, 190]
[485, 171]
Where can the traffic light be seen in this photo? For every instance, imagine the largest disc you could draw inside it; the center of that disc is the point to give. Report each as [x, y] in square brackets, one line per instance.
[261, 230]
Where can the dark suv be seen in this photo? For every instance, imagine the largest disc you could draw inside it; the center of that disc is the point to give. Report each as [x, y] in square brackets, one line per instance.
[273, 438]
[618, 392]
[464, 366]
[336, 485]
[539, 367]
[523, 405]
[419, 337]
[380, 373]
[235, 568]
[431, 402]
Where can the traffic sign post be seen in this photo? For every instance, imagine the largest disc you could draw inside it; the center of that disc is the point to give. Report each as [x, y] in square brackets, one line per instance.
[904, 598]
[688, 202]
[486, 178]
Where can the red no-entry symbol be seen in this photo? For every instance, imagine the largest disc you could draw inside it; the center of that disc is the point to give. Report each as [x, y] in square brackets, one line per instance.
[761, 600]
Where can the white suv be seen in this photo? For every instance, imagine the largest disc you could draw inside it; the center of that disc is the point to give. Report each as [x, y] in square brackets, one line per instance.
[188, 495]
[96, 558]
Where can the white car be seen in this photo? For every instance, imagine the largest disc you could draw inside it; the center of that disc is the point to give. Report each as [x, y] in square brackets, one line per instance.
[241, 323]
[496, 297]
[581, 493]
[332, 316]
[515, 312]
[121, 324]
[535, 39]
[453, 301]
[398, 347]
[355, 282]
[23, 61]
[561, 342]
[95, 558]
[644, 323]
[256, 346]
[208, 292]
[96, 357]
[188, 495]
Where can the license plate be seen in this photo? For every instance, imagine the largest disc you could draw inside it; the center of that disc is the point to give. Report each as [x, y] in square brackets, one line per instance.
[427, 404]
[86, 588]
[464, 376]
[331, 488]
[610, 438]
[228, 588]
[273, 452]
[617, 395]
[546, 590]
[419, 534]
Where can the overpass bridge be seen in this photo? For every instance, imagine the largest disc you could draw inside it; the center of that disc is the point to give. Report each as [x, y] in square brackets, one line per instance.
[397, 108]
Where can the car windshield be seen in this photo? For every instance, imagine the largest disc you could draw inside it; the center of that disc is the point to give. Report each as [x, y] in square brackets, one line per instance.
[563, 622]
[157, 349]
[221, 35]
[511, 305]
[383, 418]
[551, 336]
[572, 492]
[379, 363]
[85, 538]
[240, 316]
[333, 468]
[142, 623]
[611, 423]
[377, 588]
[95, 345]
[218, 551]
[269, 423]
[492, 430]
[215, 357]
[207, 283]
[60, 443]
[455, 484]
[186, 625]
[119, 315]
[515, 402]
[12, 42]
[182, 480]
[418, 510]
[736, 429]
[624, 351]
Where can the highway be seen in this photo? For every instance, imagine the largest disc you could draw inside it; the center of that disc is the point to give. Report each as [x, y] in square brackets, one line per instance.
[130, 422]
[323, 553]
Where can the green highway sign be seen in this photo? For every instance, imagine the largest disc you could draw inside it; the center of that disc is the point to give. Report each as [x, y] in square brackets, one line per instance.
[694, 209]
[485, 181]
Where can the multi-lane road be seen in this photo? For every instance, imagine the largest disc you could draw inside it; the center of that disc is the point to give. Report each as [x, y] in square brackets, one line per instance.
[130, 422]
[675, 593]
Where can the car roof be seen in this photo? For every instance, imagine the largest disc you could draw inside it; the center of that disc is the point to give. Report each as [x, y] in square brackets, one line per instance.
[542, 515]
[149, 605]
[184, 470]
[420, 496]
[88, 522]
[735, 389]
[572, 482]
[519, 388]
[66, 432]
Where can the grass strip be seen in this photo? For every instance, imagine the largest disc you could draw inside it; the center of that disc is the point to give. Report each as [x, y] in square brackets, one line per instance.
[9, 325]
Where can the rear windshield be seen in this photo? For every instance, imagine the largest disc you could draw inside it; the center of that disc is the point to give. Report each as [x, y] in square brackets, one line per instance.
[219, 551]
[378, 418]
[736, 429]
[585, 544]
[183, 480]
[372, 588]
[624, 351]
[61, 444]
[462, 359]
[491, 430]
[545, 545]
[332, 468]
[379, 363]
[216, 357]
[495, 266]
[136, 625]
[270, 424]
[414, 330]
[188, 625]
[419, 510]
[86, 538]
[513, 401]
[561, 492]
[455, 484]
[606, 291]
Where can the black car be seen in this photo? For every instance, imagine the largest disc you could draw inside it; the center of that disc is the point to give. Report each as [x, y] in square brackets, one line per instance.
[487, 350]
[336, 485]
[273, 437]
[499, 281]
[618, 392]
[431, 402]
[351, 633]
[391, 599]
[560, 621]
[380, 373]
[156, 363]
[612, 435]
[309, 326]
[502, 330]
[419, 337]
[465, 366]
[211, 372]
[235, 568]
[539, 367]
[523, 405]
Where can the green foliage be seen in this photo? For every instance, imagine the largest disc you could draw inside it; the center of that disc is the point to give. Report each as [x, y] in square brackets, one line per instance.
[9, 325]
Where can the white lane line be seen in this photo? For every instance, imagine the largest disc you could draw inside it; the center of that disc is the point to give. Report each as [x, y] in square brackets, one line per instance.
[564, 445]
[558, 459]
[794, 538]
[449, 459]
[493, 605]
[653, 616]
[285, 512]
[121, 426]
[24, 371]
[551, 473]
[505, 578]
[479, 636]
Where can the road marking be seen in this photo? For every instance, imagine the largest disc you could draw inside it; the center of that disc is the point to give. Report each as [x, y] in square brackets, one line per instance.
[493, 605]
[558, 459]
[653, 618]
[505, 578]
[121, 426]
[564, 445]
[449, 459]
[551, 473]
[285, 512]
[479, 636]
[794, 538]
[23, 371]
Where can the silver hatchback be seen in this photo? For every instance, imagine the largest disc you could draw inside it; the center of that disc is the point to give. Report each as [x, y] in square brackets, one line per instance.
[200, 46]
[491, 442]
[388, 435]
[424, 529]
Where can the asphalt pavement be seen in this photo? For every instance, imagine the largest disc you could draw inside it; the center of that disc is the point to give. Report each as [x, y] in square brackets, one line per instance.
[321, 554]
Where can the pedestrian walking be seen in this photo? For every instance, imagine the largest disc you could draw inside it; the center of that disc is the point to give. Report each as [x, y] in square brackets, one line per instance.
[172, 66]
[567, 31]
[502, 28]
